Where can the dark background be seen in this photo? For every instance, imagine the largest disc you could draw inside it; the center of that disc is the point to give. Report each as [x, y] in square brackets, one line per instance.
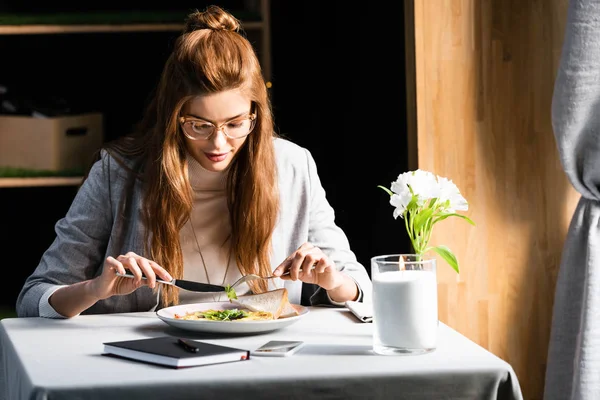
[338, 89]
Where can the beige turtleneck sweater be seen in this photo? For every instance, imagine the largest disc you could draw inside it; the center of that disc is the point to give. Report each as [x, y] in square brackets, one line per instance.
[207, 236]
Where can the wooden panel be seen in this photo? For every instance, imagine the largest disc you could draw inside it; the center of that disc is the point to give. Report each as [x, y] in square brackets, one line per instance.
[483, 76]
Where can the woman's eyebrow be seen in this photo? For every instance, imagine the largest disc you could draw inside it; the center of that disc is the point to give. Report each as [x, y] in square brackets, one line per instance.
[214, 123]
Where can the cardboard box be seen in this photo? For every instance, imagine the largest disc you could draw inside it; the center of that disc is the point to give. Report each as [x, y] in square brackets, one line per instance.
[55, 143]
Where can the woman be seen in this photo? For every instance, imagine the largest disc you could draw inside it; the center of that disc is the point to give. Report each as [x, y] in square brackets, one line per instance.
[204, 190]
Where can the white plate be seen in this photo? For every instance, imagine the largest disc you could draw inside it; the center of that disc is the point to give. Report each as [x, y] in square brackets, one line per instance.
[168, 315]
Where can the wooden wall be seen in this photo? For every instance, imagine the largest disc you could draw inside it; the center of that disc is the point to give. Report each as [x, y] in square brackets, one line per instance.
[482, 75]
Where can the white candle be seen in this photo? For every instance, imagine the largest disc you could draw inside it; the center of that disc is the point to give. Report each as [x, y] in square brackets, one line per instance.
[405, 313]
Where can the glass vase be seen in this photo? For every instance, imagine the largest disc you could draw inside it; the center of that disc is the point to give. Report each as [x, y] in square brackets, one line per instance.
[405, 307]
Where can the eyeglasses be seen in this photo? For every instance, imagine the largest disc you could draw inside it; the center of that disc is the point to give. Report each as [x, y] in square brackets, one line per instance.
[236, 128]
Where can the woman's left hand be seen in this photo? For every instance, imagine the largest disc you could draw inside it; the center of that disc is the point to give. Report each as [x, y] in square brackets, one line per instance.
[300, 264]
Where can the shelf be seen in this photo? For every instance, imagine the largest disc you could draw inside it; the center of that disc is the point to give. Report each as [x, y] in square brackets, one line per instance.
[133, 21]
[58, 29]
[41, 181]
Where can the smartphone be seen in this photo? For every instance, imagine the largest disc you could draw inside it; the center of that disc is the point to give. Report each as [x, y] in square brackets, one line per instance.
[278, 348]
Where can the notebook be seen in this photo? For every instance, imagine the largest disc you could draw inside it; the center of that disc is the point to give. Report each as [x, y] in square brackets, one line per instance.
[170, 351]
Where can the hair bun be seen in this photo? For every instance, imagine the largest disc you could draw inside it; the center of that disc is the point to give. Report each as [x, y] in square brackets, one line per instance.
[213, 17]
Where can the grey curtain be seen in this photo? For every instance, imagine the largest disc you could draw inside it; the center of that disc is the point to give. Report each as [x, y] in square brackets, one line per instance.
[573, 368]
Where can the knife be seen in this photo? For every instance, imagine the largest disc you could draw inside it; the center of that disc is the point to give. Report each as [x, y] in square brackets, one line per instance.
[183, 284]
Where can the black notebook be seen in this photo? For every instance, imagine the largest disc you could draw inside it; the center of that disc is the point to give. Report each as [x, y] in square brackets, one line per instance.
[170, 351]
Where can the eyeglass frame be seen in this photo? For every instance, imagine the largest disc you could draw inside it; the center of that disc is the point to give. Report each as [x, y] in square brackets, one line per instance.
[251, 116]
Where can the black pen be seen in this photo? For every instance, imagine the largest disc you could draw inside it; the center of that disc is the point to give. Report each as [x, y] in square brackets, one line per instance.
[188, 345]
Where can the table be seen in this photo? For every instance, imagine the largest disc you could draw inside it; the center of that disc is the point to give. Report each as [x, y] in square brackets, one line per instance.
[48, 359]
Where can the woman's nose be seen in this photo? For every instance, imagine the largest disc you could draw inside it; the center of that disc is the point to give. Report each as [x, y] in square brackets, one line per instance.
[219, 136]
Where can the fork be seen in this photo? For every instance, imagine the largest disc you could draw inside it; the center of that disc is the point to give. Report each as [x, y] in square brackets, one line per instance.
[251, 277]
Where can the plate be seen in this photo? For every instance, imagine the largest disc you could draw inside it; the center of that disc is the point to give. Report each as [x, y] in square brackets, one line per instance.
[240, 327]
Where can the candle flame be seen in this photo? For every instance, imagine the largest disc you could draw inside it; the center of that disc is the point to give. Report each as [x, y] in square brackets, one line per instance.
[401, 264]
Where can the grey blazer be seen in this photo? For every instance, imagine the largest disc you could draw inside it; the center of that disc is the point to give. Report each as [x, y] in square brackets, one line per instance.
[105, 220]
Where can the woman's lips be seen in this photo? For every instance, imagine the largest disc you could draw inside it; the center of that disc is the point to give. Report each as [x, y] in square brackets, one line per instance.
[216, 157]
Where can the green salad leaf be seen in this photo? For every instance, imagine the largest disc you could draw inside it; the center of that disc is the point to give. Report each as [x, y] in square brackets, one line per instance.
[224, 315]
[231, 294]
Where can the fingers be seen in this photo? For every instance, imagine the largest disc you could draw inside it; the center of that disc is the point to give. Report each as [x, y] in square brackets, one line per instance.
[321, 266]
[160, 271]
[147, 270]
[286, 265]
[283, 267]
[115, 265]
[139, 267]
[304, 264]
[303, 257]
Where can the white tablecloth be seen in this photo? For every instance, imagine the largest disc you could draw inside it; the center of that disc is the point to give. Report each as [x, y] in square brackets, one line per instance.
[51, 359]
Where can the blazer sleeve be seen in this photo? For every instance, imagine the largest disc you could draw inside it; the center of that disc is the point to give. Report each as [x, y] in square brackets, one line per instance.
[77, 252]
[329, 237]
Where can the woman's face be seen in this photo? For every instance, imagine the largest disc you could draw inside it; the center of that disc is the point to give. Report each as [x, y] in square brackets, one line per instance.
[213, 115]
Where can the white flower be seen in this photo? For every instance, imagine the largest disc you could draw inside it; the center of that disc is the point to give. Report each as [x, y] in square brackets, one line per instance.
[400, 201]
[411, 194]
[420, 183]
[449, 192]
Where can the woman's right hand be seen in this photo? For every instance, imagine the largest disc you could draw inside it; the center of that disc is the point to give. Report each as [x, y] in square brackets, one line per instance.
[109, 284]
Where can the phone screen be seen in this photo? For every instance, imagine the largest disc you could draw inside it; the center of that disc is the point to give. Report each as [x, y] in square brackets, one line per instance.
[278, 348]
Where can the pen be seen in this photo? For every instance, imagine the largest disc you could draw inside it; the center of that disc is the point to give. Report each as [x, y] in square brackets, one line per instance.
[188, 345]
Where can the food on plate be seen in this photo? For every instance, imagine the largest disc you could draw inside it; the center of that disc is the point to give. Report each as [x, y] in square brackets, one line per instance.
[231, 294]
[226, 315]
[289, 311]
[274, 301]
[270, 305]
